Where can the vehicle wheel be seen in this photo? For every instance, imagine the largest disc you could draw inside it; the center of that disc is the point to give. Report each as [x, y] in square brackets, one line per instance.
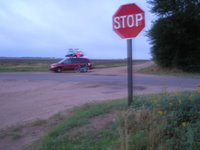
[86, 69]
[59, 70]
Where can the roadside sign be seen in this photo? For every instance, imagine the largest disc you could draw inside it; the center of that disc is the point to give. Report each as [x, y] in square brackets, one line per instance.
[128, 22]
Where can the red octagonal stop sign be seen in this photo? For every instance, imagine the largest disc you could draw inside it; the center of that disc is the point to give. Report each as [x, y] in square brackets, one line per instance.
[128, 21]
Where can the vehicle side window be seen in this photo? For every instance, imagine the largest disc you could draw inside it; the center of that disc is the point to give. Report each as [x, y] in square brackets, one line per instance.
[83, 61]
[67, 61]
[74, 61]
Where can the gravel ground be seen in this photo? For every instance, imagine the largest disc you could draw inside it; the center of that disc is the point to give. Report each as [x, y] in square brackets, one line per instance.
[26, 100]
[23, 101]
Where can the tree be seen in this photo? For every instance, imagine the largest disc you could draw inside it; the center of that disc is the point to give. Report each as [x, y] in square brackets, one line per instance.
[175, 35]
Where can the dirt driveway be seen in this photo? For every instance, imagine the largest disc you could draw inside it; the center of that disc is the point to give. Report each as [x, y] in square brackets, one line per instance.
[25, 100]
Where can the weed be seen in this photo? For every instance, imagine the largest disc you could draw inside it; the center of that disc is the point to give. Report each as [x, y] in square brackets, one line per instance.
[14, 133]
[155, 69]
[154, 122]
[177, 117]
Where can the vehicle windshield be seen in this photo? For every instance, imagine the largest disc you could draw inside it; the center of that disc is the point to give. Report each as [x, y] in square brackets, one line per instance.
[62, 61]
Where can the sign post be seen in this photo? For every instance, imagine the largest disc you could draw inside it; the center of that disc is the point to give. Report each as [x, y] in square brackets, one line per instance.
[128, 22]
[130, 71]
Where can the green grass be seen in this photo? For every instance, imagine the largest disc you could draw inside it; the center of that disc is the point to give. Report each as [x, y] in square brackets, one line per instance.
[25, 64]
[154, 69]
[42, 64]
[163, 121]
[114, 63]
[59, 137]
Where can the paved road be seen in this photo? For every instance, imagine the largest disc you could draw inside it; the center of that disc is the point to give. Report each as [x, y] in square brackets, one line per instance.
[27, 96]
[114, 80]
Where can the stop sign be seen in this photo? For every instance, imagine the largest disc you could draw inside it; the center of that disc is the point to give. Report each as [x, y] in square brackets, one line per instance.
[128, 21]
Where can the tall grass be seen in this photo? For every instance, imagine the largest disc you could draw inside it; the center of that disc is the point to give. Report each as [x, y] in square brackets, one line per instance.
[153, 122]
[155, 69]
[166, 121]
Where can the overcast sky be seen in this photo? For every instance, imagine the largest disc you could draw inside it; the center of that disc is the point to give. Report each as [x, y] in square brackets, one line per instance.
[48, 28]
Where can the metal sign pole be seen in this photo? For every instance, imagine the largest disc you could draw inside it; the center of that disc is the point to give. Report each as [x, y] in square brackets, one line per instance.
[130, 71]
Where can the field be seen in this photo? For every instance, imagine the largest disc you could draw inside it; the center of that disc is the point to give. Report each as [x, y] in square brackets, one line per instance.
[25, 64]
[42, 64]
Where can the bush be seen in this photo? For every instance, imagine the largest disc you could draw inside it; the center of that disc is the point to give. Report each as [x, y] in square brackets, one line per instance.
[174, 123]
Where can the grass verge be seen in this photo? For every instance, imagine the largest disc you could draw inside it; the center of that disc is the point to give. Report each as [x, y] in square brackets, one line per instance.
[164, 121]
[25, 64]
[154, 69]
[61, 137]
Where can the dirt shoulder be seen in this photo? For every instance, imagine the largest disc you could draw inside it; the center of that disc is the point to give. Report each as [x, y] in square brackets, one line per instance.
[25, 100]
[121, 70]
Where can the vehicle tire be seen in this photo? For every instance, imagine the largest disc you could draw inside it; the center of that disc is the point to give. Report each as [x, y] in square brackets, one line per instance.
[86, 69]
[59, 70]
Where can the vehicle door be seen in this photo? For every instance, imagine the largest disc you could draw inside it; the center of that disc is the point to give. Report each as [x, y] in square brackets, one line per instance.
[84, 61]
[67, 64]
[75, 62]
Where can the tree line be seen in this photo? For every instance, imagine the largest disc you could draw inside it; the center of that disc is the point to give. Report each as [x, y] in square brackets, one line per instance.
[175, 35]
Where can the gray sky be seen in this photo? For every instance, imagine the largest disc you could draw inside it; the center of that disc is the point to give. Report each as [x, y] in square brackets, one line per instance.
[48, 28]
